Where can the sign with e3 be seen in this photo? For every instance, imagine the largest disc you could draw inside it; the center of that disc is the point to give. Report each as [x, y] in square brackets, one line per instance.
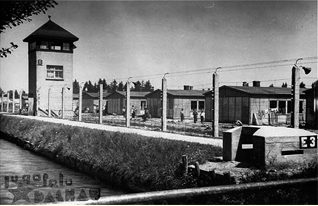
[308, 142]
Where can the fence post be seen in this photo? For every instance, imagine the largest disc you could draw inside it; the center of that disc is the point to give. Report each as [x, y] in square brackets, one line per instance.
[100, 103]
[8, 96]
[20, 100]
[48, 102]
[215, 124]
[37, 102]
[295, 96]
[164, 105]
[80, 103]
[128, 104]
[13, 98]
[63, 88]
[2, 103]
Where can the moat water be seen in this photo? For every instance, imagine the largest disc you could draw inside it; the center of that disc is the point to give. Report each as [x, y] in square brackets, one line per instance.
[26, 178]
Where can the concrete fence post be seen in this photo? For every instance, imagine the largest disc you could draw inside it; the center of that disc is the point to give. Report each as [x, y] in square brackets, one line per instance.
[80, 103]
[8, 101]
[63, 88]
[20, 100]
[2, 103]
[295, 97]
[13, 100]
[164, 105]
[128, 104]
[48, 102]
[100, 103]
[215, 107]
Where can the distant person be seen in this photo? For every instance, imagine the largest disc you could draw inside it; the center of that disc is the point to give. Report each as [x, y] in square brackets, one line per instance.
[124, 111]
[133, 112]
[195, 116]
[202, 116]
[182, 115]
[76, 111]
[146, 115]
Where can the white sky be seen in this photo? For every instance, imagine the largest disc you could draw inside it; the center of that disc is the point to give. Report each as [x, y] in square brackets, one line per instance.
[123, 39]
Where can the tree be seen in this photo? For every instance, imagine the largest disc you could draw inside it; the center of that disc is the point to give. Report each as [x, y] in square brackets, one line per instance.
[302, 85]
[105, 86]
[75, 87]
[113, 86]
[148, 86]
[14, 13]
[16, 94]
[284, 84]
[120, 86]
[137, 86]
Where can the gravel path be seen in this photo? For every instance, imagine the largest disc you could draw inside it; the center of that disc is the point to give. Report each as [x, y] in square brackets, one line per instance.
[146, 133]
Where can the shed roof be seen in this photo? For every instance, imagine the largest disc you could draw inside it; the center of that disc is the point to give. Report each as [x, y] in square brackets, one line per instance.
[182, 93]
[135, 94]
[175, 92]
[51, 30]
[94, 95]
[260, 90]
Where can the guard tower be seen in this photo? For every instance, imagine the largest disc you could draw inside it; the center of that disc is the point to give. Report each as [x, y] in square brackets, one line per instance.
[51, 70]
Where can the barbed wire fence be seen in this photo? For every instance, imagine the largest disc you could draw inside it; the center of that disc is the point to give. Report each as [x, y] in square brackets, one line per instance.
[158, 110]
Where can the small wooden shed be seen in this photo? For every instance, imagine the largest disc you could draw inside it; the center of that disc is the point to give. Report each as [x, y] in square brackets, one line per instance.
[188, 100]
[117, 101]
[265, 103]
[90, 101]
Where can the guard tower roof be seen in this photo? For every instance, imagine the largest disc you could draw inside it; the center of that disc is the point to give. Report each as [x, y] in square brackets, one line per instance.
[52, 31]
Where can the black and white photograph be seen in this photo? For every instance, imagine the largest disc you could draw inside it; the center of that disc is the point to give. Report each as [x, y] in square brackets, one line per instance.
[158, 102]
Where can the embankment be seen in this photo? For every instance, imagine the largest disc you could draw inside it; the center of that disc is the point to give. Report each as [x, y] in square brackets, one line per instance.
[128, 160]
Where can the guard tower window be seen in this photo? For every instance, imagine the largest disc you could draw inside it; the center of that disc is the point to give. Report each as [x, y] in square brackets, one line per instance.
[54, 46]
[54, 72]
[44, 45]
[66, 47]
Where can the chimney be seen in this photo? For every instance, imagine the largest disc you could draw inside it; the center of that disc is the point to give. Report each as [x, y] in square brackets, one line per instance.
[256, 83]
[187, 87]
[245, 84]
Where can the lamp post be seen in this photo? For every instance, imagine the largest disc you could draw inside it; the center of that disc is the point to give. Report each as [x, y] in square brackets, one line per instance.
[296, 92]
[215, 102]
[164, 103]
[63, 99]
[128, 103]
[80, 102]
[48, 101]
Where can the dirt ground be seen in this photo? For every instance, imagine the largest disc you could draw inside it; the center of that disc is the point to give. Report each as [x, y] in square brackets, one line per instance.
[187, 127]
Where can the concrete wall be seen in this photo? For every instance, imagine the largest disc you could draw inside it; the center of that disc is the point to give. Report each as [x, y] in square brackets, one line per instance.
[268, 146]
[238, 144]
